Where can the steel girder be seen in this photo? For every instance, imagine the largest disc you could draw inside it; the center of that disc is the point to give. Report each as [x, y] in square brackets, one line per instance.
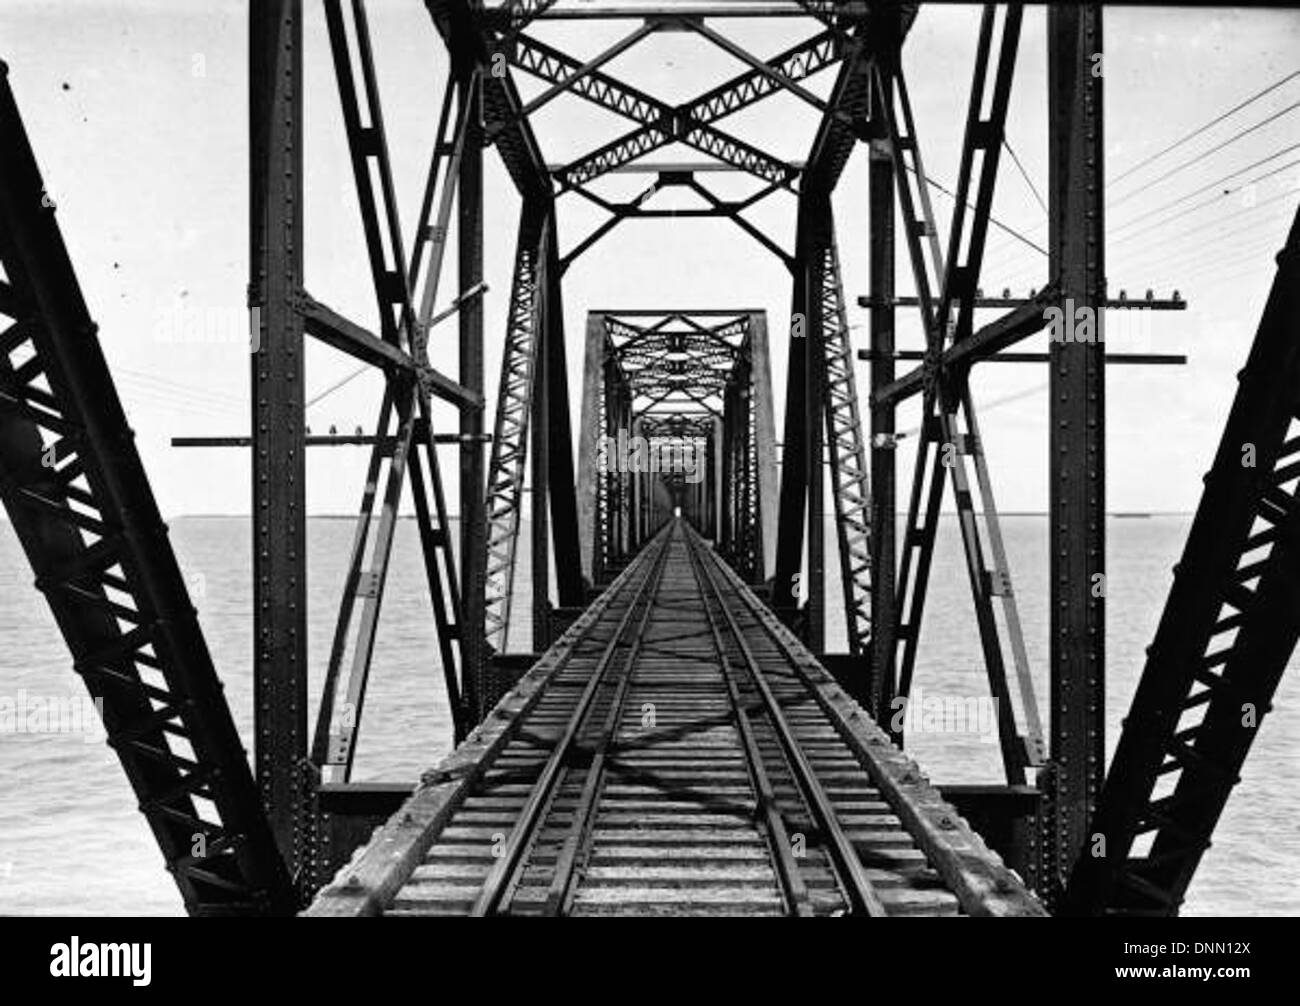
[801, 453]
[516, 15]
[860, 30]
[881, 687]
[472, 37]
[473, 504]
[945, 442]
[405, 403]
[747, 461]
[275, 99]
[573, 76]
[1228, 630]
[614, 413]
[735, 538]
[505, 485]
[763, 446]
[662, 124]
[475, 36]
[821, 357]
[532, 407]
[82, 508]
[797, 63]
[679, 377]
[553, 475]
[1077, 440]
[795, 455]
[560, 484]
[848, 453]
[820, 378]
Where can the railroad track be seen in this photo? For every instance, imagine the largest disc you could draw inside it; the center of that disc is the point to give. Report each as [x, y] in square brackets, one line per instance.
[677, 753]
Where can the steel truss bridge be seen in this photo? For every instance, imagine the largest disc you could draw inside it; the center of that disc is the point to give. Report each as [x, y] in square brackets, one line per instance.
[679, 738]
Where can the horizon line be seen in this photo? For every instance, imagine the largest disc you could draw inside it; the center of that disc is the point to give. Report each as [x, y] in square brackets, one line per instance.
[901, 513]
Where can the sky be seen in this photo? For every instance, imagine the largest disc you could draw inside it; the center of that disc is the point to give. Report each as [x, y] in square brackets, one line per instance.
[137, 110]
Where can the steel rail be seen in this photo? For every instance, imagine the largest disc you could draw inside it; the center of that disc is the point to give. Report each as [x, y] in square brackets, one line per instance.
[499, 877]
[982, 884]
[584, 813]
[862, 893]
[795, 889]
[366, 887]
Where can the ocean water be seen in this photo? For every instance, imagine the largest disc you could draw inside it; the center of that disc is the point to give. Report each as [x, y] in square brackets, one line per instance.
[71, 840]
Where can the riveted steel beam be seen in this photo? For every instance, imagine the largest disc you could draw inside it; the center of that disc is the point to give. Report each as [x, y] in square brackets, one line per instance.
[278, 457]
[1077, 445]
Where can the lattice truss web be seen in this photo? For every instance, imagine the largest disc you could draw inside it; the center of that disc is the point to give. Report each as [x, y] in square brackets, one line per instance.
[673, 381]
[664, 114]
[601, 96]
[676, 364]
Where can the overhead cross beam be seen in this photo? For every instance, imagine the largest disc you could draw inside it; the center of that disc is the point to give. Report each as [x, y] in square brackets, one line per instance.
[717, 209]
[662, 124]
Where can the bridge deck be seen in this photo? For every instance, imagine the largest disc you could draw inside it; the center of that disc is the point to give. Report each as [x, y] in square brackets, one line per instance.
[678, 751]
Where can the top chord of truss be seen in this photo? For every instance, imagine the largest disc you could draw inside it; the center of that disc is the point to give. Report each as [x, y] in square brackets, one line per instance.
[569, 10]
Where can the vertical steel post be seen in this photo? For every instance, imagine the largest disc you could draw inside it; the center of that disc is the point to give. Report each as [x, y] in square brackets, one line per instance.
[589, 433]
[621, 511]
[817, 230]
[794, 466]
[473, 499]
[1077, 442]
[884, 471]
[765, 481]
[562, 485]
[727, 525]
[714, 472]
[279, 472]
[540, 433]
[640, 487]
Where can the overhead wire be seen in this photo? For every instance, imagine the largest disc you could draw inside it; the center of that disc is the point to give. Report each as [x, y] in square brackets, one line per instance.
[1163, 249]
[1207, 186]
[189, 391]
[1256, 251]
[1209, 203]
[1255, 232]
[1024, 174]
[338, 384]
[1206, 153]
[992, 219]
[1203, 128]
[1158, 254]
[1019, 253]
[986, 407]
